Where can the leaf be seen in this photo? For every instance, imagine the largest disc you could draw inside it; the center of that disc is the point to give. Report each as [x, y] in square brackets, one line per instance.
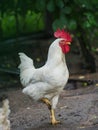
[86, 24]
[40, 5]
[51, 6]
[60, 3]
[66, 10]
[90, 18]
[56, 24]
[59, 23]
[84, 3]
[72, 24]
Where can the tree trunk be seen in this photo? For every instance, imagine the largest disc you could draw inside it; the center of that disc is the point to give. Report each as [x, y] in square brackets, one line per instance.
[48, 23]
[17, 23]
[1, 30]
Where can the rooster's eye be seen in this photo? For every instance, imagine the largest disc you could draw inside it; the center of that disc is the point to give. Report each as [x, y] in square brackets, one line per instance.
[63, 42]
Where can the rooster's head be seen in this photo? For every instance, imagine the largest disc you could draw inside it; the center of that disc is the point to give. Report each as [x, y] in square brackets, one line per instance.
[66, 40]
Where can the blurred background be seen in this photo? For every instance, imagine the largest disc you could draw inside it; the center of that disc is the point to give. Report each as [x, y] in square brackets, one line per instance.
[28, 26]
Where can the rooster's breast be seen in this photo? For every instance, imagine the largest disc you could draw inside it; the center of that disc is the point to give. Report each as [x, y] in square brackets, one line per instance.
[57, 77]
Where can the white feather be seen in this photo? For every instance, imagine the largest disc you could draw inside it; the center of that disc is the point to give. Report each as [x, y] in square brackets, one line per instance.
[47, 81]
[4, 114]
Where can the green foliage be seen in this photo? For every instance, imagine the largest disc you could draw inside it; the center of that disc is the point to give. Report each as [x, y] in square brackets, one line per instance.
[20, 17]
[60, 3]
[90, 20]
[8, 23]
[60, 23]
[51, 6]
[73, 15]
[78, 16]
[72, 24]
[40, 5]
[30, 23]
[33, 22]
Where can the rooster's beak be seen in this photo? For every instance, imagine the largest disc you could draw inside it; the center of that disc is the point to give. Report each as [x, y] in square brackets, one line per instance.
[69, 43]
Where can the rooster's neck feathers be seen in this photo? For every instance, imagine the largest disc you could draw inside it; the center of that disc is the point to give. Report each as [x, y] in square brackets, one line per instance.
[55, 54]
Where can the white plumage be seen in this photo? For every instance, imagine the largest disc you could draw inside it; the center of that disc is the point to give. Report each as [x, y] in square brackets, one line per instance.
[4, 113]
[47, 81]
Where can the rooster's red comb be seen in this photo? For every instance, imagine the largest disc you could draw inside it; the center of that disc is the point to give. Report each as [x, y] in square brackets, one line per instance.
[62, 34]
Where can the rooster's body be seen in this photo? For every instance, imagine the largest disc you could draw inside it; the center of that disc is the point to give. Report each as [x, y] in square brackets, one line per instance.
[47, 82]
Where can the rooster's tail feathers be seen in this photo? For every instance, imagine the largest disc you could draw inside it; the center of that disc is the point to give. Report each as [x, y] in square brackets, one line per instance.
[26, 62]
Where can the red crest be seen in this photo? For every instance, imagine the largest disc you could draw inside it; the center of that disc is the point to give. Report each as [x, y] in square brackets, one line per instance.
[62, 34]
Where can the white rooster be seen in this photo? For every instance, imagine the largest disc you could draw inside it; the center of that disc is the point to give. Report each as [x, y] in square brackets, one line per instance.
[46, 83]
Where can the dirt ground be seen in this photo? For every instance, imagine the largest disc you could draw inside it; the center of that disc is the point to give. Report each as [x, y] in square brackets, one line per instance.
[77, 110]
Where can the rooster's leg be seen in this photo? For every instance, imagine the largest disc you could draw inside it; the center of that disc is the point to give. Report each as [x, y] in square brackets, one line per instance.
[53, 119]
[47, 102]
